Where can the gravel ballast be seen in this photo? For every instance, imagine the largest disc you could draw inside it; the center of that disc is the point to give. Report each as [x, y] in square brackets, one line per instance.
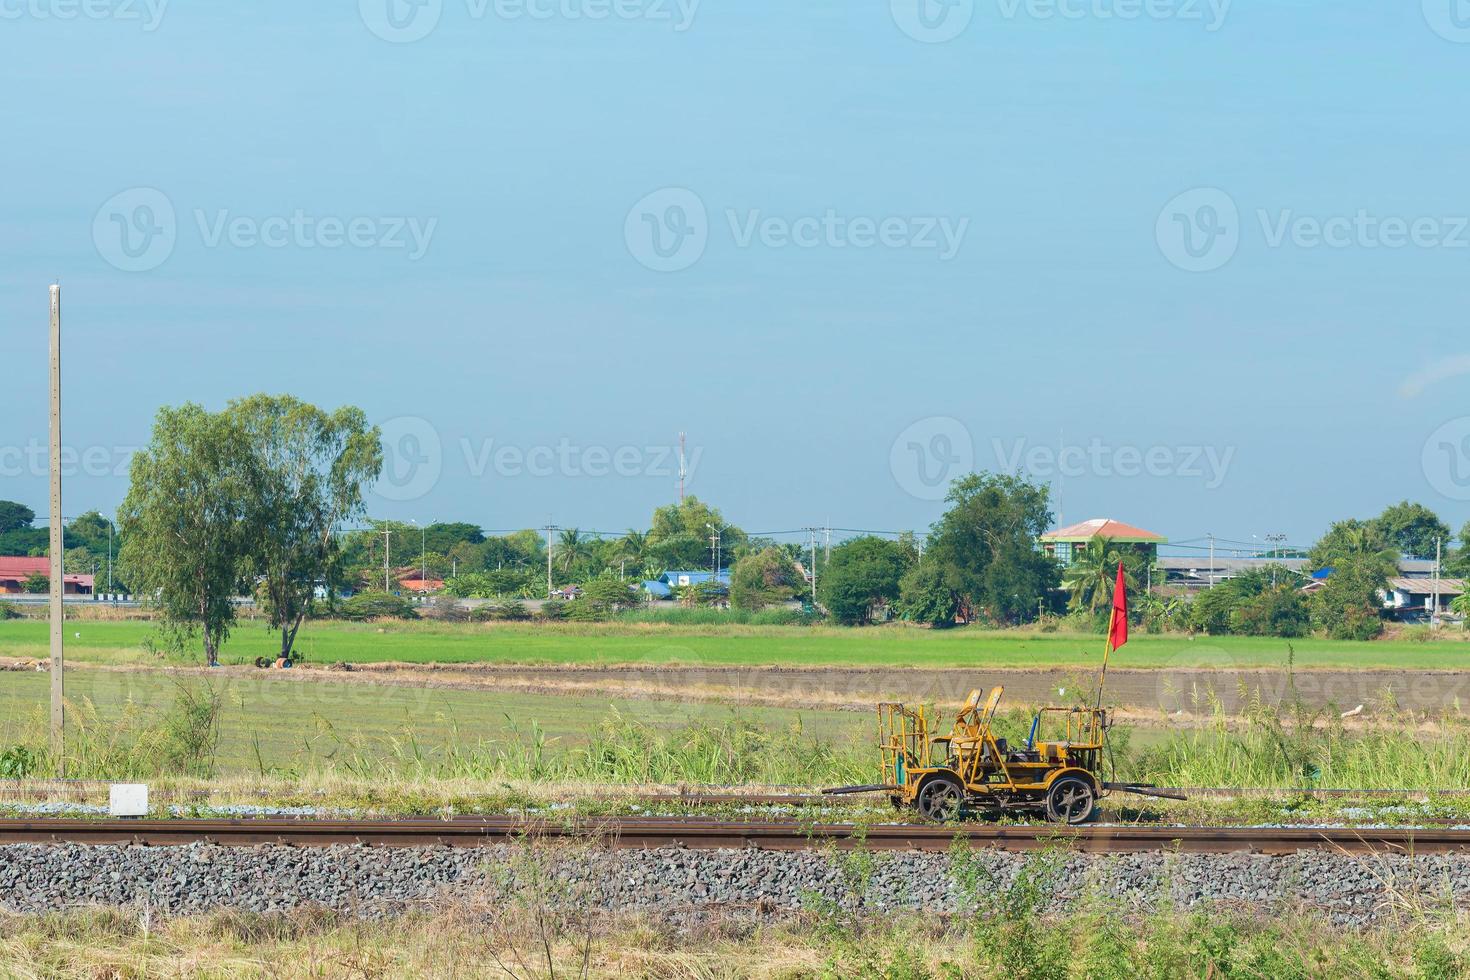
[674, 882]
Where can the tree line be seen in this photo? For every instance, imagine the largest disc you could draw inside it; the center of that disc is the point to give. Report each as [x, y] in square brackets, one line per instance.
[252, 500]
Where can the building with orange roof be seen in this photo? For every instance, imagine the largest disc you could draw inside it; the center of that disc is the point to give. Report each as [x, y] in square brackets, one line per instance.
[1064, 543]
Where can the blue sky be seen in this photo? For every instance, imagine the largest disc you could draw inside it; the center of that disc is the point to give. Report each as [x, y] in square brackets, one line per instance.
[1207, 261]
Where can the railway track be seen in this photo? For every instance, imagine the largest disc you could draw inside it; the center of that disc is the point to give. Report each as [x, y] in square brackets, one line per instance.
[84, 789]
[711, 834]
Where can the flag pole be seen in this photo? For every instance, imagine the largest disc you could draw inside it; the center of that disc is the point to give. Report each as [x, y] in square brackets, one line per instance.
[1107, 649]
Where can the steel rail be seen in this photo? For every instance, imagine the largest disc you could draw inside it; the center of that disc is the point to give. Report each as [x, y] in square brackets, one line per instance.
[711, 834]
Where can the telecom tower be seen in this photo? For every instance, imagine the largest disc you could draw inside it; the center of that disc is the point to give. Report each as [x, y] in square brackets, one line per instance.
[683, 469]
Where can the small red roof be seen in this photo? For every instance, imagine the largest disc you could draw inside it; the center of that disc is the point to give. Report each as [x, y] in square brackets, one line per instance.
[15, 568]
[1102, 527]
[422, 585]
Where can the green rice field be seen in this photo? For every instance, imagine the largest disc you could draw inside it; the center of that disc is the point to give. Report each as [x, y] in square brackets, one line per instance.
[615, 643]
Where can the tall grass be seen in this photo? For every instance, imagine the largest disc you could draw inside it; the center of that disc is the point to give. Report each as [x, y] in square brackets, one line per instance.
[626, 751]
[181, 741]
[491, 937]
[1273, 749]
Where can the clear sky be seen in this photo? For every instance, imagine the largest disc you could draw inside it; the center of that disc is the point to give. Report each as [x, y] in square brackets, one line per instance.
[1207, 261]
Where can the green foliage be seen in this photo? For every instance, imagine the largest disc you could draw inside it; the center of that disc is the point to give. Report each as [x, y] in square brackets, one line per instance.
[862, 574]
[36, 584]
[928, 595]
[19, 762]
[1093, 574]
[1280, 611]
[602, 597]
[764, 578]
[308, 471]
[1250, 605]
[1354, 542]
[707, 593]
[494, 584]
[15, 516]
[1348, 606]
[1412, 529]
[1008, 926]
[986, 545]
[8, 611]
[377, 605]
[513, 611]
[680, 535]
[244, 500]
[184, 521]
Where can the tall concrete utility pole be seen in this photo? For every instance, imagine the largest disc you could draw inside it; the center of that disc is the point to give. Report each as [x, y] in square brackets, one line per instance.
[549, 529]
[814, 566]
[1434, 600]
[58, 581]
[387, 538]
[1212, 561]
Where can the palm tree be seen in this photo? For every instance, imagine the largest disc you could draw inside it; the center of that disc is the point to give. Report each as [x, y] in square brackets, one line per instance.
[570, 546]
[1093, 571]
[633, 546]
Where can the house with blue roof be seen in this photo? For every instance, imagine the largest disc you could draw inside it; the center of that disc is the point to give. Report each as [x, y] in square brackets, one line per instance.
[667, 584]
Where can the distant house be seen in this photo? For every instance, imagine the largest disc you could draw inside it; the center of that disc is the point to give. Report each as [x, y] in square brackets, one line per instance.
[669, 583]
[421, 585]
[1064, 544]
[1406, 595]
[15, 571]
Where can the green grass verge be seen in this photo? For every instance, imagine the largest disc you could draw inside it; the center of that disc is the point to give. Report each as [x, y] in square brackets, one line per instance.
[618, 643]
[271, 724]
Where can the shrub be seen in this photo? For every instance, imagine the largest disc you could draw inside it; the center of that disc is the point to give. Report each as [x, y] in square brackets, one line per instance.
[764, 578]
[377, 605]
[8, 611]
[603, 596]
[19, 762]
[554, 611]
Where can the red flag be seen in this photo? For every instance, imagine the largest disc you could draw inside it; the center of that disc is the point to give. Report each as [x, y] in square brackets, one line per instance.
[1118, 627]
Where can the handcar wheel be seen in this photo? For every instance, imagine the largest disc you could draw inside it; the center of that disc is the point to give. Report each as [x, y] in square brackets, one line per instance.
[940, 800]
[1070, 800]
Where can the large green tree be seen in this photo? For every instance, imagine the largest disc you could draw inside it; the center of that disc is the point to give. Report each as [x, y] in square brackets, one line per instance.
[984, 547]
[185, 522]
[861, 574]
[307, 472]
[1413, 529]
[680, 535]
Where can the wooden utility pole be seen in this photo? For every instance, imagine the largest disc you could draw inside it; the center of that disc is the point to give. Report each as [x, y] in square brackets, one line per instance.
[58, 581]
